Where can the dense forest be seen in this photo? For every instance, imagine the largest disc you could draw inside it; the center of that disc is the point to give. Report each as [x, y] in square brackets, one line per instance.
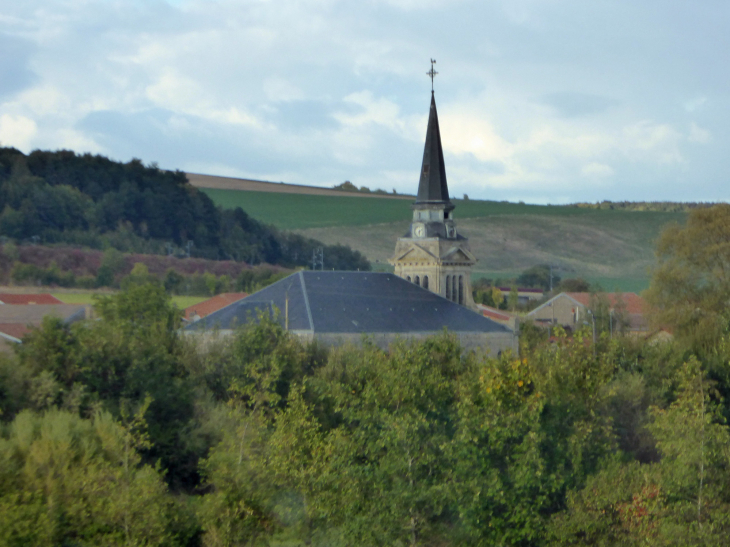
[122, 431]
[90, 201]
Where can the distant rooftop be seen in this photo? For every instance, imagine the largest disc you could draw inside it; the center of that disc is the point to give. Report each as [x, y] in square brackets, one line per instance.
[40, 298]
[351, 302]
[206, 307]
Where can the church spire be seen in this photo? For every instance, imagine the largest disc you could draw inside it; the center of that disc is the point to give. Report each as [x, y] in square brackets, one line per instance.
[432, 187]
[432, 254]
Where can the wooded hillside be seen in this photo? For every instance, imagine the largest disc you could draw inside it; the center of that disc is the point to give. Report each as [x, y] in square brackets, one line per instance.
[91, 201]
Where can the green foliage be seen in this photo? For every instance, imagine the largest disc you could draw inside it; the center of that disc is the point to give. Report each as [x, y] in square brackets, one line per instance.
[119, 430]
[513, 298]
[140, 275]
[682, 499]
[538, 277]
[132, 352]
[691, 283]
[504, 481]
[32, 274]
[577, 284]
[251, 281]
[112, 264]
[59, 197]
[64, 479]
[695, 446]
[489, 296]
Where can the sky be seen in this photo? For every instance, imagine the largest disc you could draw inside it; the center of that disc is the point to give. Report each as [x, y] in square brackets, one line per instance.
[541, 101]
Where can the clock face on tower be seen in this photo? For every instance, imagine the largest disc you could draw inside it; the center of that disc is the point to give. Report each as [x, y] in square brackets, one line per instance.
[419, 231]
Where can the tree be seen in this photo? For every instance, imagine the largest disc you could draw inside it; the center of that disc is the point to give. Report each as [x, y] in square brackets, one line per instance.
[577, 284]
[503, 484]
[690, 286]
[514, 298]
[134, 351]
[695, 446]
[538, 276]
[65, 480]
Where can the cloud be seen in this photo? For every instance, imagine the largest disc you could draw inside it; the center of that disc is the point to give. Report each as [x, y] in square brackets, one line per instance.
[596, 170]
[183, 95]
[282, 90]
[15, 74]
[647, 140]
[698, 135]
[574, 105]
[17, 131]
[532, 95]
[695, 104]
[370, 110]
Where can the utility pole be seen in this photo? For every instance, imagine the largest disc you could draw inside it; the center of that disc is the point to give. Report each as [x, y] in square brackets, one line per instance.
[551, 278]
[318, 258]
[610, 315]
[593, 318]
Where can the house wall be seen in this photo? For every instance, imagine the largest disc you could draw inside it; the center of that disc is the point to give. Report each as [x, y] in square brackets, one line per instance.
[561, 311]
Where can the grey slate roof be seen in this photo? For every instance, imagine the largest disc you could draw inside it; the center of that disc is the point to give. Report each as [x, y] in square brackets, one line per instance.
[352, 302]
[432, 187]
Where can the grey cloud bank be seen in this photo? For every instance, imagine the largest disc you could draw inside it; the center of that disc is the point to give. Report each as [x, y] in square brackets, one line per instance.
[538, 101]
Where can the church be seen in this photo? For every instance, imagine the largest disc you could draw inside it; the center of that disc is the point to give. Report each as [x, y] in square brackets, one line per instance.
[430, 290]
[433, 254]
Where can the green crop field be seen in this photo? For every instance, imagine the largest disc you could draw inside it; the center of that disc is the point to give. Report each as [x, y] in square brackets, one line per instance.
[87, 297]
[613, 248]
[301, 211]
[304, 211]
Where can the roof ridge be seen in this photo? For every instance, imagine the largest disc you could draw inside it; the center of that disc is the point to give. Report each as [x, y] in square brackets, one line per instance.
[306, 300]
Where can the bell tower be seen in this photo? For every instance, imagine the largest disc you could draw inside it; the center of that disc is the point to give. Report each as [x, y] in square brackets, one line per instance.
[433, 254]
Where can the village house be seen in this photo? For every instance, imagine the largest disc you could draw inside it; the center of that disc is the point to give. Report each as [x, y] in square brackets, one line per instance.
[571, 310]
[503, 317]
[28, 299]
[17, 319]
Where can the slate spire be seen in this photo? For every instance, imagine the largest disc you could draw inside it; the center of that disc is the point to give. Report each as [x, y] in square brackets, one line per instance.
[432, 188]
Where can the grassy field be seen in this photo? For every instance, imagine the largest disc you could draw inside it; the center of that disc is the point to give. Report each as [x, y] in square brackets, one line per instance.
[613, 248]
[302, 211]
[181, 302]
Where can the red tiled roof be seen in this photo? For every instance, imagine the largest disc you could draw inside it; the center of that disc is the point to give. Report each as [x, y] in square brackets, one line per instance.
[508, 289]
[42, 298]
[213, 304]
[632, 302]
[16, 330]
[493, 313]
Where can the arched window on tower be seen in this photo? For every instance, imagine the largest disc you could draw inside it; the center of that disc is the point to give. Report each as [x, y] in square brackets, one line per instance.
[448, 287]
[417, 280]
[408, 278]
[425, 282]
[461, 289]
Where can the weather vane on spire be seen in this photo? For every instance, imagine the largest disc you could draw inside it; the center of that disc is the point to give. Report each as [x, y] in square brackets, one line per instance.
[432, 73]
